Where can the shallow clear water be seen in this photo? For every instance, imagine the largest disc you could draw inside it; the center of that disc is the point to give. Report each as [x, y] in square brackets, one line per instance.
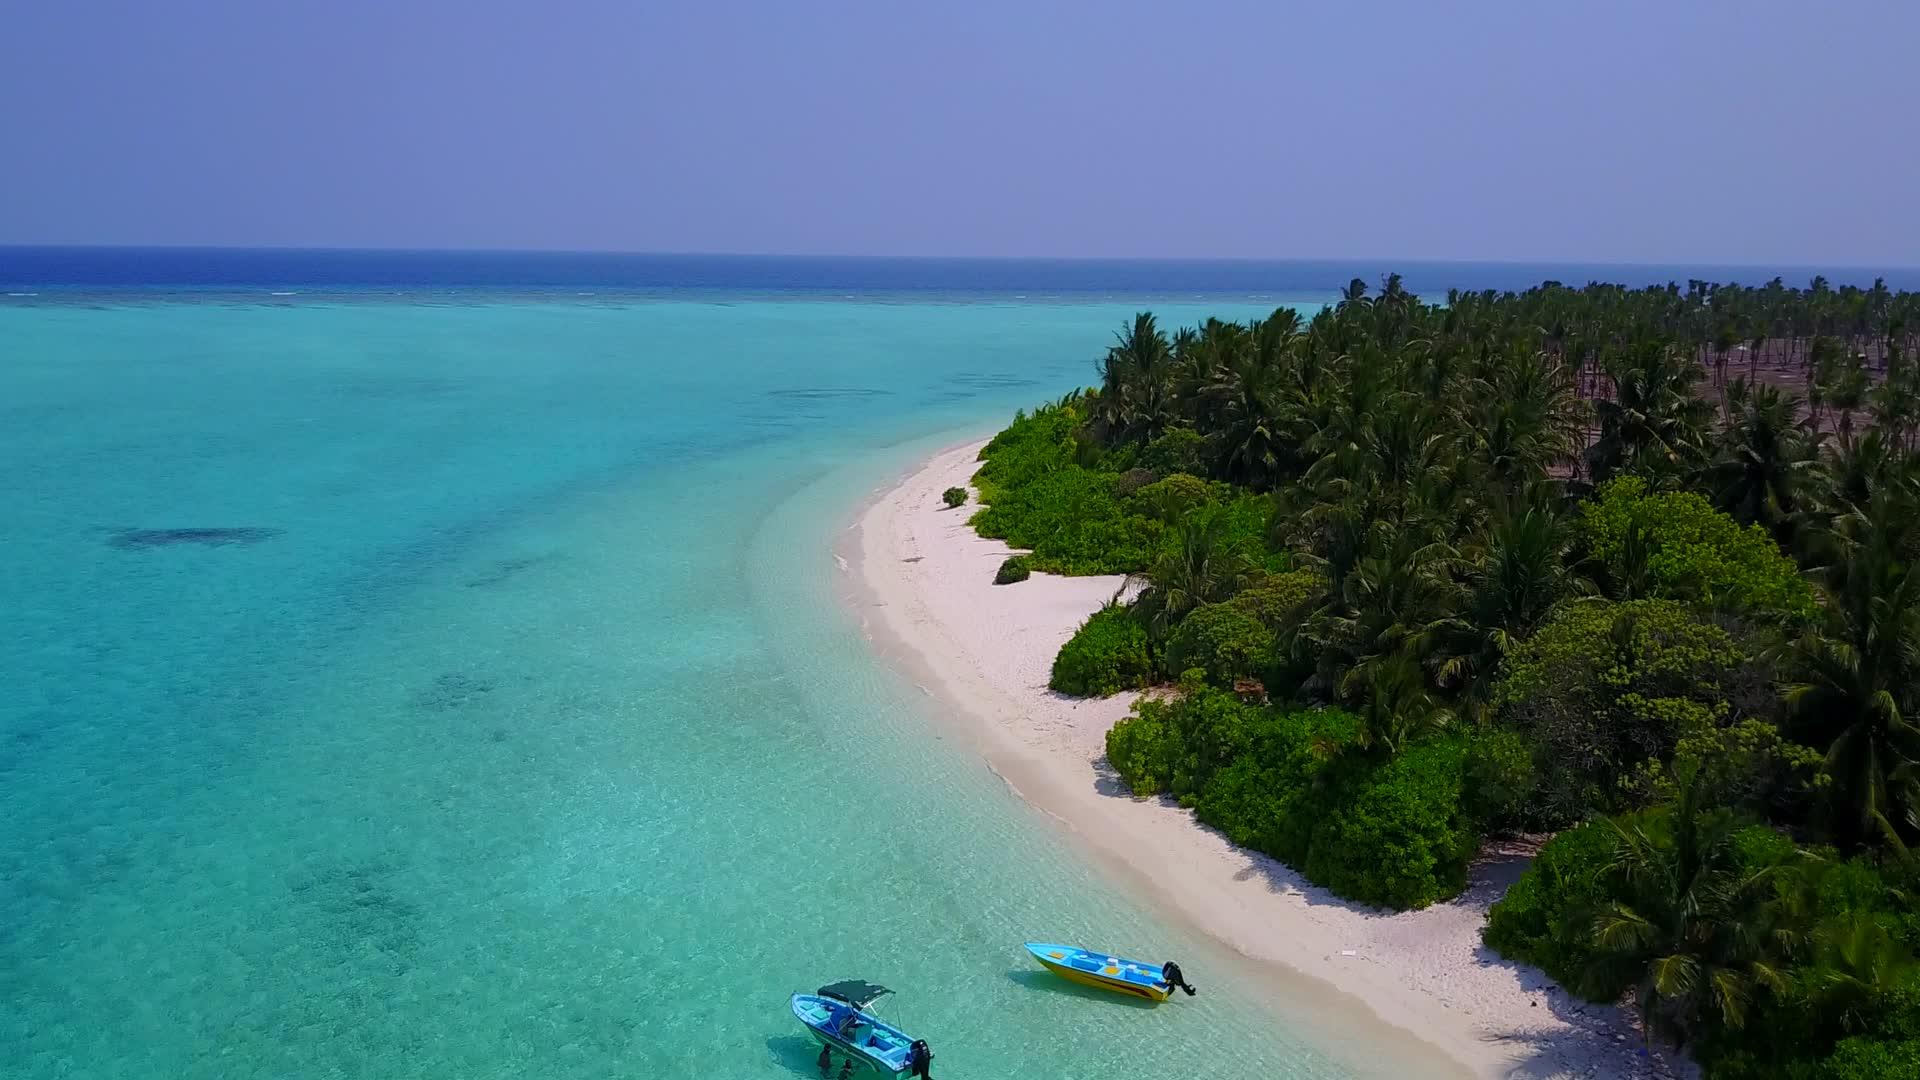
[523, 736]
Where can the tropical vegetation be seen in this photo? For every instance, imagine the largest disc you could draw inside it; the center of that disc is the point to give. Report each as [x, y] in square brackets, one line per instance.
[1635, 568]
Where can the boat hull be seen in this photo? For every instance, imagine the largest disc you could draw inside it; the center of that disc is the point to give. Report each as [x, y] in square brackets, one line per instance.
[841, 1046]
[1133, 978]
[822, 1016]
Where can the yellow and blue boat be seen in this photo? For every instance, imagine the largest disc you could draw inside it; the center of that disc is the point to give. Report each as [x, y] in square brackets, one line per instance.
[1135, 978]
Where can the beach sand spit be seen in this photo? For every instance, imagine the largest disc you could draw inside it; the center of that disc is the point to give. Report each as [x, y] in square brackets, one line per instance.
[924, 584]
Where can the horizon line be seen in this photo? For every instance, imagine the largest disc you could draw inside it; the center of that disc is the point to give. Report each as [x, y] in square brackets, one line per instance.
[1244, 259]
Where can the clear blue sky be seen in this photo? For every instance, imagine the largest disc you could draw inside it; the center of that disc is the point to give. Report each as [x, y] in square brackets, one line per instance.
[1626, 130]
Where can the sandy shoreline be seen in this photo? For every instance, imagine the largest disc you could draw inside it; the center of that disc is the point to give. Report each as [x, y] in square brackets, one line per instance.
[985, 650]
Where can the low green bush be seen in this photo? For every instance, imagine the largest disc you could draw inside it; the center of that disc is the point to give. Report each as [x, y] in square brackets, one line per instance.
[953, 496]
[1044, 489]
[1546, 917]
[1071, 521]
[1225, 641]
[1180, 450]
[1215, 730]
[1277, 599]
[1032, 446]
[1014, 569]
[1144, 749]
[1500, 777]
[1601, 689]
[1393, 832]
[1236, 638]
[1269, 797]
[1675, 544]
[1177, 744]
[1861, 1058]
[1106, 655]
[1170, 500]
[1401, 836]
[1132, 481]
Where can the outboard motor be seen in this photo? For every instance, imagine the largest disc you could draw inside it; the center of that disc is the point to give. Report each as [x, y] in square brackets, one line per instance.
[919, 1058]
[1170, 974]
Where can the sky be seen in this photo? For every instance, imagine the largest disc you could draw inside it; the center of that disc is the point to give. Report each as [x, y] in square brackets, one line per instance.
[1632, 131]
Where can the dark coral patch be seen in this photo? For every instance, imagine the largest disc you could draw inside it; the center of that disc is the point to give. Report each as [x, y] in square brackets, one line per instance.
[452, 691]
[504, 569]
[135, 539]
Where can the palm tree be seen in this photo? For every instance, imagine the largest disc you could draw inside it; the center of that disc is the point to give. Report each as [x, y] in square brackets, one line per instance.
[1390, 606]
[1248, 412]
[1521, 572]
[1854, 688]
[1701, 934]
[1764, 459]
[1869, 472]
[1396, 707]
[1136, 384]
[1206, 566]
[1655, 424]
[1846, 391]
[1896, 401]
[1856, 964]
[1523, 417]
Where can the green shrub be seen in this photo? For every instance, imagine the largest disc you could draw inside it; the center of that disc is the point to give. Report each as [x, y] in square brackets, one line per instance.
[1071, 521]
[1862, 1058]
[1250, 804]
[1401, 837]
[1602, 688]
[1013, 569]
[1500, 777]
[1184, 745]
[1144, 749]
[1277, 599]
[1748, 765]
[1180, 450]
[1225, 641]
[953, 496]
[1546, 917]
[1027, 449]
[1083, 510]
[1675, 544]
[1268, 796]
[1043, 489]
[1394, 833]
[1106, 655]
[1241, 519]
[1173, 745]
[1132, 481]
[1214, 729]
[1170, 500]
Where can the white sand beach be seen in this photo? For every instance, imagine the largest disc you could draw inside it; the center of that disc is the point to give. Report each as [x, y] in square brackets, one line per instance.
[985, 652]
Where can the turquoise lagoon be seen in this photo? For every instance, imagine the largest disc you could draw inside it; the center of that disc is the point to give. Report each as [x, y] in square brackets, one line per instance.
[514, 728]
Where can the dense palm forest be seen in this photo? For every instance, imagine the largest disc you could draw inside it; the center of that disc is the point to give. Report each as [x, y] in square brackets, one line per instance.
[1632, 568]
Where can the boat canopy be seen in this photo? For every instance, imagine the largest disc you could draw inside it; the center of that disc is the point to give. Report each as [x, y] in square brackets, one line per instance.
[856, 992]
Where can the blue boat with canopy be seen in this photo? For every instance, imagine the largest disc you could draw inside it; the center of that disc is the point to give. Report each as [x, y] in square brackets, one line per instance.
[840, 1018]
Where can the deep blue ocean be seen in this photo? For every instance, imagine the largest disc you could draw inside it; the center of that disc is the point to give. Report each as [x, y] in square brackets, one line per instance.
[53, 272]
[431, 666]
